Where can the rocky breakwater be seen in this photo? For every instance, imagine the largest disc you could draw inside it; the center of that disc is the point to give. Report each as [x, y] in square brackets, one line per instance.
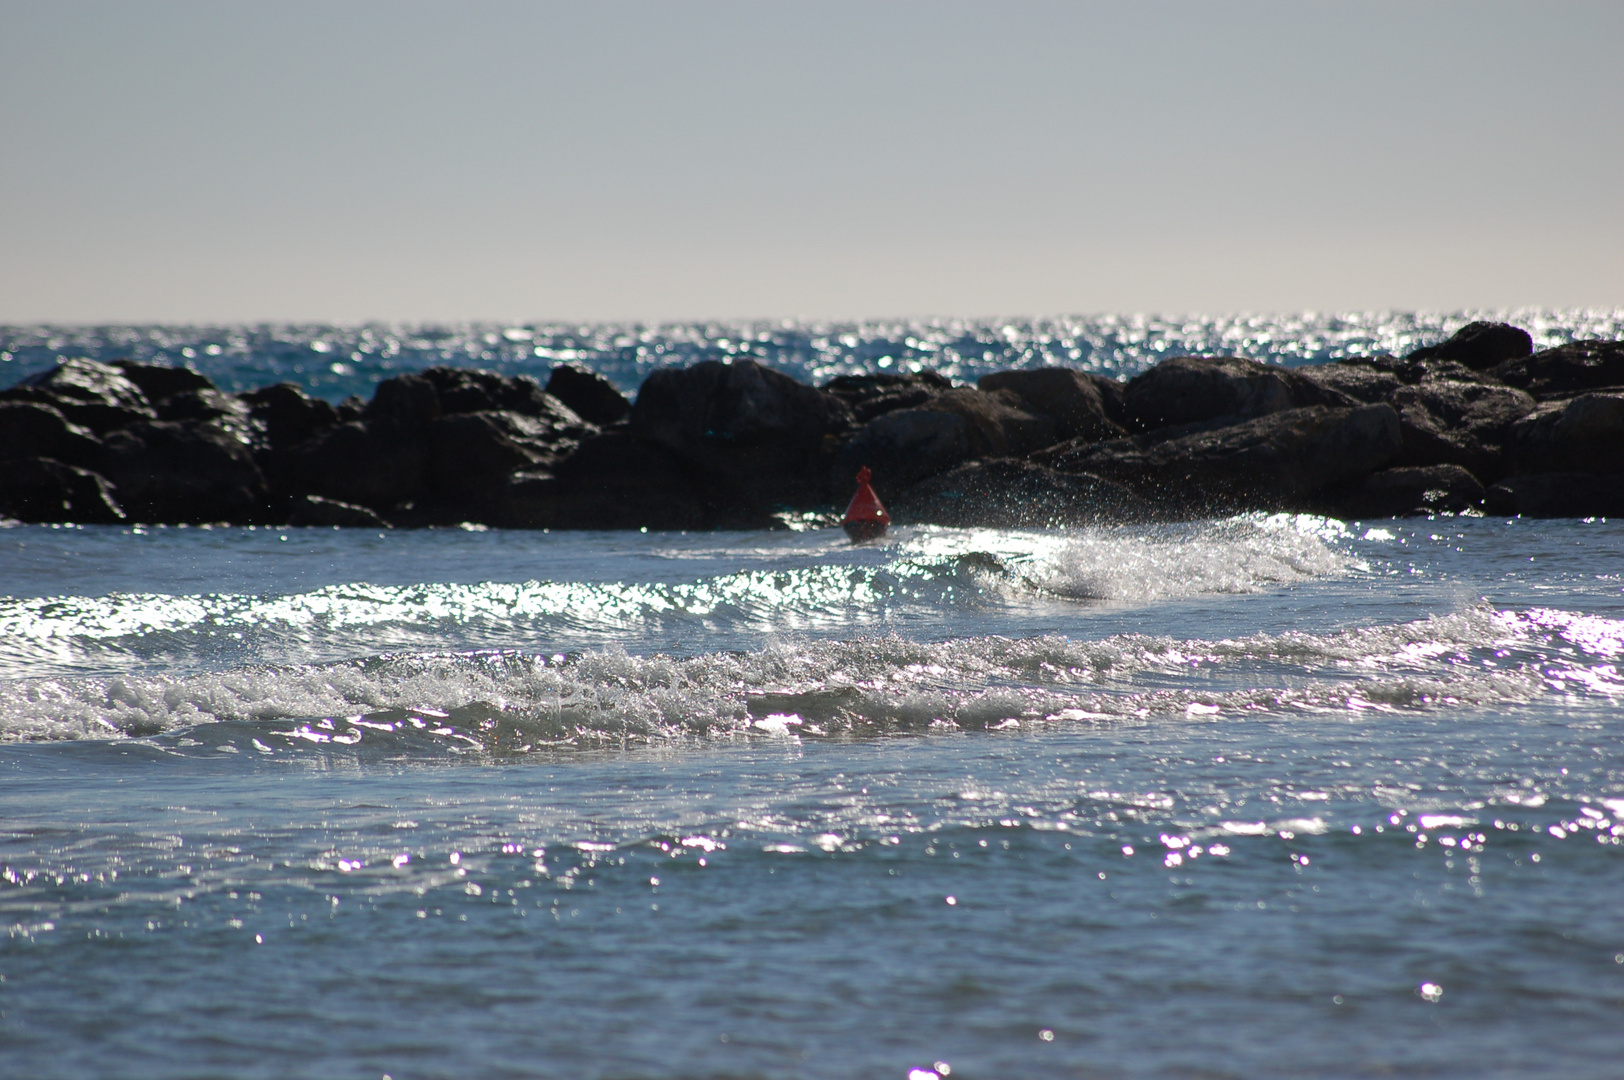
[1478, 422]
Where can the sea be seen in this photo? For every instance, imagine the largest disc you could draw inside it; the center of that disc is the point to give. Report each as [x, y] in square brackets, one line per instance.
[1260, 796]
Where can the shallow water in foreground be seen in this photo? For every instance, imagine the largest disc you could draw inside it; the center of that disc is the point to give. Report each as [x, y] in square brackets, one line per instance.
[1258, 797]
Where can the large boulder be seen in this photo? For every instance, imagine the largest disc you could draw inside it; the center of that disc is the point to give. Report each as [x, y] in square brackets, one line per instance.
[1584, 434]
[589, 395]
[953, 426]
[467, 390]
[1409, 492]
[1073, 400]
[94, 395]
[1567, 369]
[1278, 461]
[382, 470]
[901, 448]
[431, 447]
[159, 381]
[1008, 493]
[1479, 346]
[1459, 423]
[30, 429]
[752, 430]
[616, 481]
[43, 490]
[288, 414]
[185, 473]
[1208, 389]
[471, 456]
[1366, 379]
[872, 396]
[1558, 494]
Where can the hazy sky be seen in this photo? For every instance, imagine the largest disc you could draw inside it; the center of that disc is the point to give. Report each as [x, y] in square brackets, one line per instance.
[206, 161]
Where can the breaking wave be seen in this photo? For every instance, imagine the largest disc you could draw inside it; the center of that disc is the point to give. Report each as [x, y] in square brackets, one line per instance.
[512, 702]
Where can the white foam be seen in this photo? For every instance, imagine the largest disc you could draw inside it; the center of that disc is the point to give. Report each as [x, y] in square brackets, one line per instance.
[887, 683]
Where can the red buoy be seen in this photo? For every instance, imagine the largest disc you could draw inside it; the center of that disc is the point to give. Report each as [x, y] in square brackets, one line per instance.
[866, 518]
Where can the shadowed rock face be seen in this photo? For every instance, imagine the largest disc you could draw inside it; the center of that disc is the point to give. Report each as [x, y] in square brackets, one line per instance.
[1585, 434]
[1410, 492]
[618, 481]
[40, 489]
[1009, 493]
[589, 395]
[1271, 462]
[757, 432]
[871, 396]
[953, 426]
[1479, 346]
[1074, 401]
[1558, 494]
[94, 395]
[1201, 389]
[1454, 423]
[32, 430]
[1568, 369]
[188, 473]
[1363, 380]
[288, 415]
[160, 381]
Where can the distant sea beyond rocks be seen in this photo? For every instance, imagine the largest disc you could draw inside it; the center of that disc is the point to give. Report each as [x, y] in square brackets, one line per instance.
[1480, 423]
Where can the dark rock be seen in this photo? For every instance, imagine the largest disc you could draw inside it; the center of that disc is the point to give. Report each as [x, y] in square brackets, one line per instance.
[355, 463]
[1479, 346]
[1114, 396]
[403, 407]
[351, 408]
[94, 395]
[1557, 494]
[954, 426]
[290, 416]
[1007, 493]
[43, 490]
[223, 410]
[1277, 461]
[1410, 492]
[467, 390]
[432, 446]
[902, 448]
[159, 381]
[1360, 379]
[315, 511]
[1201, 389]
[32, 430]
[758, 432]
[615, 481]
[1072, 399]
[589, 395]
[185, 473]
[1416, 372]
[1585, 434]
[471, 455]
[872, 396]
[1456, 423]
[1567, 369]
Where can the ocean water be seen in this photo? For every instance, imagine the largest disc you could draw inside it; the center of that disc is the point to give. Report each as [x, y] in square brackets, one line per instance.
[1269, 796]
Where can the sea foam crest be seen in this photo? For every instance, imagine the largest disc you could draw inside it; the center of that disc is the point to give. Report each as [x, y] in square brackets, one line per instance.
[825, 592]
[513, 701]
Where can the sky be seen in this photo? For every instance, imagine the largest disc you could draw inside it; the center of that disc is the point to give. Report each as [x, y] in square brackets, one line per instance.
[344, 161]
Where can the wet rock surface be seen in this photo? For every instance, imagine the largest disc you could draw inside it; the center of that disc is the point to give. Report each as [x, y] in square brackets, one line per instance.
[1478, 423]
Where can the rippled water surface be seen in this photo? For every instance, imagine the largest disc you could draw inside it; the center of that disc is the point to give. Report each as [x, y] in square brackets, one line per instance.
[1258, 797]
[1272, 796]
